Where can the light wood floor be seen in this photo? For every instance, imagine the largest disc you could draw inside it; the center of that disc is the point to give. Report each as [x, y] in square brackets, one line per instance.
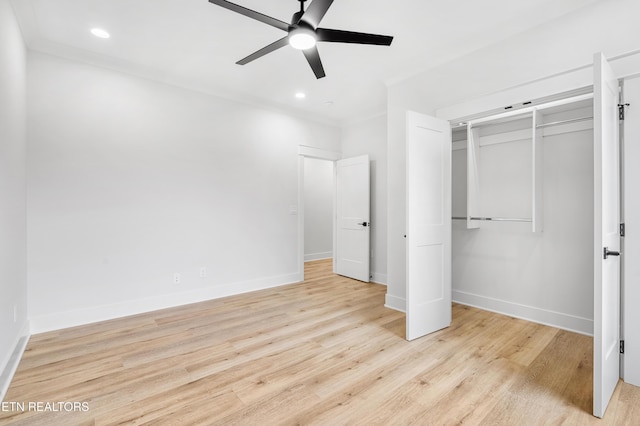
[325, 351]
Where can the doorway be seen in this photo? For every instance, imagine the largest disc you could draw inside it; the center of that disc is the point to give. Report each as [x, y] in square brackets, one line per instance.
[348, 194]
[318, 208]
[308, 155]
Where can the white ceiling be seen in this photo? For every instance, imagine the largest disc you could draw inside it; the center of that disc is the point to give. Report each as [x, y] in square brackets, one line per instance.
[195, 44]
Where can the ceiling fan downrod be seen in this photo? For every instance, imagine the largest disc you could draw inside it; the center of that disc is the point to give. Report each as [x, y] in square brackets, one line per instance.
[296, 16]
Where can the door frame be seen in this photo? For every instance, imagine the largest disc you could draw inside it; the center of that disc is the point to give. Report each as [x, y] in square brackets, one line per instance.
[629, 292]
[319, 154]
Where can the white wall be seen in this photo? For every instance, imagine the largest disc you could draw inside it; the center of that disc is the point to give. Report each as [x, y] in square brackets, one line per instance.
[631, 248]
[319, 193]
[401, 99]
[13, 233]
[566, 43]
[370, 137]
[131, 181]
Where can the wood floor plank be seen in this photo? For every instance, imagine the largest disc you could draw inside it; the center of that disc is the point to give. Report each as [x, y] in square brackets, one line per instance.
[326, 352]
[627, 404]
[476, 395]
[187, 403]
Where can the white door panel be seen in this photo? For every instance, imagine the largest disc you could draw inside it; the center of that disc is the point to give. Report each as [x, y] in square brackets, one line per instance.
[352, 191]
[606, 235]
[428, 225]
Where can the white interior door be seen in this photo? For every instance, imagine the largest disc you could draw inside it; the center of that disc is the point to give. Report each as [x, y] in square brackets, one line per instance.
[428, 225]
[352, 208]
[606, 358]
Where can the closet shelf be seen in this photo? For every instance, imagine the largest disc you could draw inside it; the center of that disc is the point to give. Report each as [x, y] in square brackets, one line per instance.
[476, 192]
[522, 125]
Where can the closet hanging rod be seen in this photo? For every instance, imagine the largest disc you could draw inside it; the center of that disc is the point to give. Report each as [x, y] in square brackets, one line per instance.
[495, 219]
[503, 219]
[555, 123]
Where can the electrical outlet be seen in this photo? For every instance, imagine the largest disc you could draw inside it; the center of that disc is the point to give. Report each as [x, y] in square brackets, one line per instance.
[203, 272]
[176, 278]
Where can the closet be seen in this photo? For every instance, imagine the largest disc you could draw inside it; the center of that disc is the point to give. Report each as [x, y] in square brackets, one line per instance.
[522, 207]
[531, 197]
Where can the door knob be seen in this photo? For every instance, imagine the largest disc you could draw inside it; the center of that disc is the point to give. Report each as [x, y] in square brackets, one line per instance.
[608, 252]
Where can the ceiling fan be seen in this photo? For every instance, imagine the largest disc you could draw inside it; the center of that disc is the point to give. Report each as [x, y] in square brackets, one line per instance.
[303, 32]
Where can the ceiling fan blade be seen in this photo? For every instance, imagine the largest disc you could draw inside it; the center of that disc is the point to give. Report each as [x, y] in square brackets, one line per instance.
[267, 49]
[313, 57]
[315, 12]
[252, 14]
[339, 36]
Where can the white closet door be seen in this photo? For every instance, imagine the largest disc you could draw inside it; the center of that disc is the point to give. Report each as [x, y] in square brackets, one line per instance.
[428, 282]
[606, 358]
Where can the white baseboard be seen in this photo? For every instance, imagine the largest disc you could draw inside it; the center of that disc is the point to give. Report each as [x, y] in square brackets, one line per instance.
[6, 375]
[394, 302]
[379, 278]
[60, 320]
[542, 316]
[318, 256]
[529, 313]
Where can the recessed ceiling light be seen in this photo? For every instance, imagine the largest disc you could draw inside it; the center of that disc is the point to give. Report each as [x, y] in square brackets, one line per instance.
[100, 33]
[300, 95]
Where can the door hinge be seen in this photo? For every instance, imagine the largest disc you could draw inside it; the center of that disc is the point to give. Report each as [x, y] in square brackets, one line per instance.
[621, 110]
[622, 229]
[621, 346]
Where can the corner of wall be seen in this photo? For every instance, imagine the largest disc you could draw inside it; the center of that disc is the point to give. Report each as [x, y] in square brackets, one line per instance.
[7, 373]
[396, 303]
[14, 328]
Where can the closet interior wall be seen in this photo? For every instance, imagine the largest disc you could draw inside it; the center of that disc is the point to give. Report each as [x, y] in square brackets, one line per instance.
[544, 276]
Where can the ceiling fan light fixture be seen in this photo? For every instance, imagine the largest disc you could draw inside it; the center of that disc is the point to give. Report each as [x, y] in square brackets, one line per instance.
[100, 33]
[302, 38]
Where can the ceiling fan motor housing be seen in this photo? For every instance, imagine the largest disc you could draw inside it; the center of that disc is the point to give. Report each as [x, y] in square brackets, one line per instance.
[295, 20]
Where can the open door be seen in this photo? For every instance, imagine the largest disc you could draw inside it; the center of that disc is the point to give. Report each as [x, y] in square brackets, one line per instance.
[352, 209]
[428, 225]
[606, 315]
